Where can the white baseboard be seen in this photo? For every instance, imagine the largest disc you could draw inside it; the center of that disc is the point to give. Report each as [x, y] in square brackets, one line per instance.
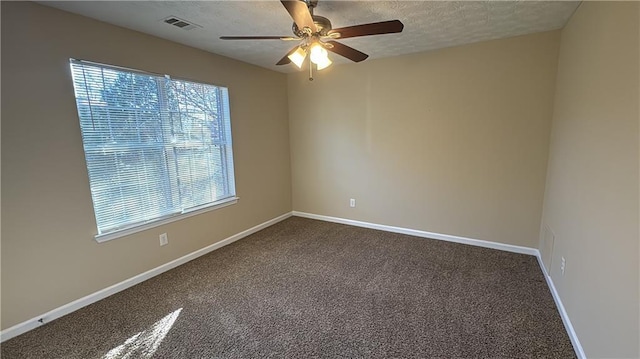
[563, 313]
[424, 234]
[101, 294]
[474, 242]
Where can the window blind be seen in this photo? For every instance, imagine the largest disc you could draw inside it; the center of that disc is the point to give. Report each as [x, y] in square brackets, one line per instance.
[155, 147]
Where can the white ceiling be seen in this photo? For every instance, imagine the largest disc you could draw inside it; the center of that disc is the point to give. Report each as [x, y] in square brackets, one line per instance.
[428, 25]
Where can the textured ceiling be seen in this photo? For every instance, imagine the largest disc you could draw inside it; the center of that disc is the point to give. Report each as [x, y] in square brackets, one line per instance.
[428, 24]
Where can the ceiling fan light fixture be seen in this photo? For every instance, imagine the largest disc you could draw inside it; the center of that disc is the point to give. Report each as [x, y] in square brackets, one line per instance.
[324, 63]
[316, 35]
[318, 54]
[298, 56]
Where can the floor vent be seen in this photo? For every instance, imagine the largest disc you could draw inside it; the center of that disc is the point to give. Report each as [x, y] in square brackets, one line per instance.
[178, 22]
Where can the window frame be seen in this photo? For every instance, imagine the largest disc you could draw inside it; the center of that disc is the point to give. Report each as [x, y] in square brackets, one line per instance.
[100, 238]
[185, 213]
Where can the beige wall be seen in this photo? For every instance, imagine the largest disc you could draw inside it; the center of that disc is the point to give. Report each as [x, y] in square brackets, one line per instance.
[49, 256]
[591, 199]
[453, 141]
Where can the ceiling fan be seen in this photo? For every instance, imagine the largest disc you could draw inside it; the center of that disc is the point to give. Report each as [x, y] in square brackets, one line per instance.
[316, 36]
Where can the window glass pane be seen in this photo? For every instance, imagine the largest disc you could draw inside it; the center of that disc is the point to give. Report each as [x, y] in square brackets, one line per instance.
[154, 147]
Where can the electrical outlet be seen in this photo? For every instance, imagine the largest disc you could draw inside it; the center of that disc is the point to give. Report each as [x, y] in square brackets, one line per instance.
[352, 202]
[563, 265]
[164, 240]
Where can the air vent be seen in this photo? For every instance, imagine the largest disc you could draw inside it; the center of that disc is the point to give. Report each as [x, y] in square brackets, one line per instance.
[178, 22]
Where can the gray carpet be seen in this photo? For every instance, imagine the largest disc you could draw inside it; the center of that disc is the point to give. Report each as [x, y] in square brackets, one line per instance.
[304, 288]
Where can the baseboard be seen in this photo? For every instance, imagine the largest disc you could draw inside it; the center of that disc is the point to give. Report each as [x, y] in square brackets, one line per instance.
[101, 294]
[563, 313]
[423, 234]
[474, 242]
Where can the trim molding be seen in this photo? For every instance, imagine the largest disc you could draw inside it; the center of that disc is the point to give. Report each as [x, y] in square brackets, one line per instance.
[423, 234]
[577, 347]
[573, 336]
[33, 323]
[101, 238]
[103, 293]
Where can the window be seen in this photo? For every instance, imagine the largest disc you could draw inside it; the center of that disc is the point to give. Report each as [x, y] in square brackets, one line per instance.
[156, 148]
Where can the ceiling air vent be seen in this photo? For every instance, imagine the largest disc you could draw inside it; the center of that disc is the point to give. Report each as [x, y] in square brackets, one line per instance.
[178, 22]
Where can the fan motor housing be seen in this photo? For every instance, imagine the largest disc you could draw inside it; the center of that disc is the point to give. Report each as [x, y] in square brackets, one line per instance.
[322, 23]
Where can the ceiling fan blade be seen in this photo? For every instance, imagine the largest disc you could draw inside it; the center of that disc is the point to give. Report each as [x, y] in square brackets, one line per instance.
[300, 14]
[285, 60]
[258, 38]
[346, 51]
[376, 28]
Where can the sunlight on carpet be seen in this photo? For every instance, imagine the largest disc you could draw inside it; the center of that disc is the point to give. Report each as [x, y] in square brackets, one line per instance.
[145, 343]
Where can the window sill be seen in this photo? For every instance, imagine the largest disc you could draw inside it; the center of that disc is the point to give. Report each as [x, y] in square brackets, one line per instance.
[143, 227]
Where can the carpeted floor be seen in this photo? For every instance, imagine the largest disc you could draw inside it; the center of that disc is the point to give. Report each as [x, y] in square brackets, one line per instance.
[304, 288]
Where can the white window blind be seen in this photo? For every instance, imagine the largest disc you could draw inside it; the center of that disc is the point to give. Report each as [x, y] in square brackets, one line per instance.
[155, 147]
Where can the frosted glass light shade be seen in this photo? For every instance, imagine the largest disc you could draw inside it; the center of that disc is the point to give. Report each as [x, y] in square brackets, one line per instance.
[298, 56]
[318, 54]
[324, 63]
